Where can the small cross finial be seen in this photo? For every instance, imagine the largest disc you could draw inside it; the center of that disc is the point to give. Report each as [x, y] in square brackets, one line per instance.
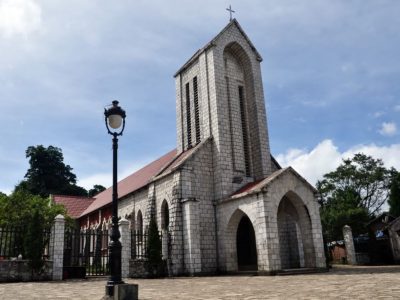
[230, 12]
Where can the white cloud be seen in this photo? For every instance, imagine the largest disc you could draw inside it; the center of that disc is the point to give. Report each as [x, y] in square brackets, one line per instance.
[378, 114]
[388, 128]
[326, 157]
[19, 17]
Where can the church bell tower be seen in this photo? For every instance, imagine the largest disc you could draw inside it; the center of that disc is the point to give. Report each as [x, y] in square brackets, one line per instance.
[219, 97]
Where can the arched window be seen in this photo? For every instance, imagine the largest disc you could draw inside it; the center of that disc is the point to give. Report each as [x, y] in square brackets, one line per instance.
[164, 215]
[139, 222]
[132, 220]
[237, 90]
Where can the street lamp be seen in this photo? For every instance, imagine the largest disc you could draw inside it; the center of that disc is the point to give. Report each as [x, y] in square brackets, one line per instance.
[115, 123]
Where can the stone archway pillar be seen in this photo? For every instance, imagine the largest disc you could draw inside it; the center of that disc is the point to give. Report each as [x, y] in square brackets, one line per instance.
[191, 235]
[349, 243]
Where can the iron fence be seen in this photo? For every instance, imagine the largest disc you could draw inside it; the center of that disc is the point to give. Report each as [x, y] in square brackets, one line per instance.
[138, 244]
[12, 242]
[87, 249]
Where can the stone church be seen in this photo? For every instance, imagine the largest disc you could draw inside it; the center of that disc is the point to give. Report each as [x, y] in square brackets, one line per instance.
[226, 203]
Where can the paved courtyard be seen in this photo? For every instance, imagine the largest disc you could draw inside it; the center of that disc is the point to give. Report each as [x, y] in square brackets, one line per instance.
[341, 283]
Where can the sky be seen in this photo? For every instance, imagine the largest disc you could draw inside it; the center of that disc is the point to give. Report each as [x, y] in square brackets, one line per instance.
[331, 74]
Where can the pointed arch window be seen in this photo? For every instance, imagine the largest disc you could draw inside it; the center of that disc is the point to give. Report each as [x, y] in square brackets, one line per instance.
[139, 226]
[164, 215]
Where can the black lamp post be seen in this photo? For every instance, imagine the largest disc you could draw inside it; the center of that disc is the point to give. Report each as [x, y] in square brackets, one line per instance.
[115, 123]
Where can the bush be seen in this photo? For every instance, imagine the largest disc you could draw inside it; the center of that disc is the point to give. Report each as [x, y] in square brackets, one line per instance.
[154, 248]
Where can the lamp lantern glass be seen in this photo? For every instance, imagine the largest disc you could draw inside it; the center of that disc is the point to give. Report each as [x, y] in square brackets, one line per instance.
[115, 118]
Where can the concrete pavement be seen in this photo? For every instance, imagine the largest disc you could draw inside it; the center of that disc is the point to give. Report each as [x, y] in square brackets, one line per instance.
[344, 282]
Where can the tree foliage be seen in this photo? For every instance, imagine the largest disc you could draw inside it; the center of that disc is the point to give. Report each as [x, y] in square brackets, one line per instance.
[362, 175]
[97, 188]
[154, 245]
[32, 214]
[394, 196]
[18, 209]
[35, 240]
[48, 174]
[352, 194]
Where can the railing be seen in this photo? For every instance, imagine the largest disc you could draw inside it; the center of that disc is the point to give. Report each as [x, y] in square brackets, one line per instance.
[12, 242]
[138, 244]
[88, 249]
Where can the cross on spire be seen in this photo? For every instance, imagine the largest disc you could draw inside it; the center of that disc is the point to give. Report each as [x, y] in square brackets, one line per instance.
[230, 12]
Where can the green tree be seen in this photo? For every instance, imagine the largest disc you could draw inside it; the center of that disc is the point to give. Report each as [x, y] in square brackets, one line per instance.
[352, 194]
[97, 188]
[18, 209]
[342, 210]
[35, 240]
[34, 215]
[48, 174]
[394, 195]
[154, 247]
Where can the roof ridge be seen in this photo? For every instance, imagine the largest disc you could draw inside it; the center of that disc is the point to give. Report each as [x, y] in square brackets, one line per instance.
[131, 183]
[71, 196]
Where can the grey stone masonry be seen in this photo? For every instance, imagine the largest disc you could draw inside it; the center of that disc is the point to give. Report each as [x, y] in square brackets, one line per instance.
[349, 243]
[165, 254]
[191, 233]
[126, 246]
[57, 250]
[231, 108]
[150, 209]
[223, 179]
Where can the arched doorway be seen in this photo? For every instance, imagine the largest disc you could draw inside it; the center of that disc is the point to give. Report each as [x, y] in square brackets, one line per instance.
[246, 245]
[296, 247]
[288, 233]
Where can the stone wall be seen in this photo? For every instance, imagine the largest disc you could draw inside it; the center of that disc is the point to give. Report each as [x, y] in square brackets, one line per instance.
[130, 206]
[138, 268]
[198, 190]
[19, 270]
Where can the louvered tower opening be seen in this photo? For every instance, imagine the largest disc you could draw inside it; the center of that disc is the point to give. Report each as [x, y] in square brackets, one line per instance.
[196, 110]
[188, 116]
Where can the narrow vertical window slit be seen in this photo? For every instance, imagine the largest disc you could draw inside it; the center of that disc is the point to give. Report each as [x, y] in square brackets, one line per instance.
[188, 117]
[244, 131]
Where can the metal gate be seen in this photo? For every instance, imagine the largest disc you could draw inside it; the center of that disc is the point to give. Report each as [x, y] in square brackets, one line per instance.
[85, 253]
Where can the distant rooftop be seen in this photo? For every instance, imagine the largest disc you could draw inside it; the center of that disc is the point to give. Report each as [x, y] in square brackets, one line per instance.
[75, 205]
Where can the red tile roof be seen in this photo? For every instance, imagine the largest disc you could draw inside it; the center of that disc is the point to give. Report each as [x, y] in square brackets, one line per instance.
[177, 161]
[132, 183]
[257, 186]
[75, 205]
[247, 187]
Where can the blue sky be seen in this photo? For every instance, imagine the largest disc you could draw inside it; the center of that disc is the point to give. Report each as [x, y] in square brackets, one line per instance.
[331, 74]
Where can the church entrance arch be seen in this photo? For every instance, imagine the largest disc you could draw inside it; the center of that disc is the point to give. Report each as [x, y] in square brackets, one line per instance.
[295, 233]
[246, 245]
[240, 243]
